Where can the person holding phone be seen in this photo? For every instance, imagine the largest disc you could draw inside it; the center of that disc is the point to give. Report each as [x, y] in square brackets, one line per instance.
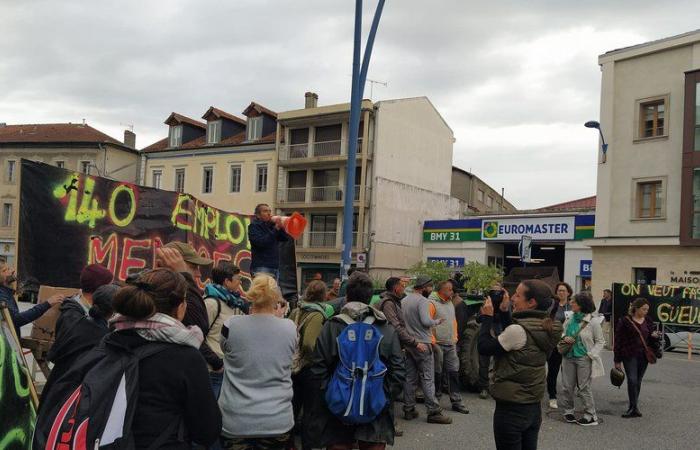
[501, 304]
[561, 309]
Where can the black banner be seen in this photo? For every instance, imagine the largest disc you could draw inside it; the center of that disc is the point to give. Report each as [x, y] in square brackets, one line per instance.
[69, 220]
[669, 305]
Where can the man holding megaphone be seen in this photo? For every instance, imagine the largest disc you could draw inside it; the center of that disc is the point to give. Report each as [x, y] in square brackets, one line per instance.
[264, 234]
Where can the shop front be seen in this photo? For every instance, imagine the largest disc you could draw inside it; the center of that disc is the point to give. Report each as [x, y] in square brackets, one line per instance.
[494, 240]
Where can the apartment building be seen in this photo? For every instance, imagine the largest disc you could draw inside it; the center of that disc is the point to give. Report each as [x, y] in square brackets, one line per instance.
[72, 146]
[647, 225]
[404, 162]
[225, 160]
[479, 196]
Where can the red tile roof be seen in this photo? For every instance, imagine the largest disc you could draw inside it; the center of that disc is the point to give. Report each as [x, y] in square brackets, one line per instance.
[260, 109]
[582, 203]
[222, 114]
[45, 133]
[201, 143]
[177, 119]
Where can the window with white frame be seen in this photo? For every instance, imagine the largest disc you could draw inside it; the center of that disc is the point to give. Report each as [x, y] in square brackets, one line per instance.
[235, 178]
[207, 180]
[85, 167]
[7, 214]
[157, 175]
[214, 132]
[261, 178]
[10, 171]
[254, 128]
[180, 180]
[176, 135]
[61, 164]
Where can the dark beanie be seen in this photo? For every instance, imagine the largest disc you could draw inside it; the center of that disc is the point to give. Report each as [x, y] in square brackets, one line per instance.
[94, 276]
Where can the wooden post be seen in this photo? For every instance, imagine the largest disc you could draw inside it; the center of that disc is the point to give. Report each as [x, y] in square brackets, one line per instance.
[10, 325]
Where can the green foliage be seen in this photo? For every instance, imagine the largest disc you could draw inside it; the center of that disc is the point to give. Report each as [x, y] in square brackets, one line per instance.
[480, 277]
[436, 270]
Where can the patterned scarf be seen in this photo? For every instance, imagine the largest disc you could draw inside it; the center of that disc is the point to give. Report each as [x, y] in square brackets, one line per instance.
[160, 328]
[233, 300]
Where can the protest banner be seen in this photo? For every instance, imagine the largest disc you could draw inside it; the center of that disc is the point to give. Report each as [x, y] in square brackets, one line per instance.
[18, 397]
[70, 219]
[669, 305]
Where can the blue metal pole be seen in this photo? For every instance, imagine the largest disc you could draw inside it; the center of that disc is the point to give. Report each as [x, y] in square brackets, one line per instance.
[358, 83]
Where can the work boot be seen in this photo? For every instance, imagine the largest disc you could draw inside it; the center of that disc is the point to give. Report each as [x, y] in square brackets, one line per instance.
[460, 408]
[439, 417]
[420, 398]
[484, 394]
[410, 414]
[398, 432]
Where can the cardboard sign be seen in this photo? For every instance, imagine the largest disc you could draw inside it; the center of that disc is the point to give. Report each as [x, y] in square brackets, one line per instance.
[44, 328]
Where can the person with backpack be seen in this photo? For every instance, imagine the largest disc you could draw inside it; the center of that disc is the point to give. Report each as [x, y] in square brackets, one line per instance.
[420, 359]
[256, 396]
[446, 339]
[82, 336]
[355, 407]
[309, 318]
[222, 298]
[145, 386]
[520, 354]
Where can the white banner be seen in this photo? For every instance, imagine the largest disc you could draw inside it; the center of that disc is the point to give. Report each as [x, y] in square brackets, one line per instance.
[540, 229]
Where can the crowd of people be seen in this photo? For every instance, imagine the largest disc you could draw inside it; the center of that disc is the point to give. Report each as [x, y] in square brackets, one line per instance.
[234, 368]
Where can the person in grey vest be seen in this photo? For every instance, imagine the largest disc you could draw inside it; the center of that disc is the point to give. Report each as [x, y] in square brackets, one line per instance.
[520, 354]
[446, 338]
[420, 364]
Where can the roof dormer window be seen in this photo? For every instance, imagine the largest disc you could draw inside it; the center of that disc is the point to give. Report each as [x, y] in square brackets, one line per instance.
[176, 135]
[214, 132]
[254, 128]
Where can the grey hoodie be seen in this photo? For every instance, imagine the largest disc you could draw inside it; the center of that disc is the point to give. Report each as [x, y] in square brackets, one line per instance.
[416, 313]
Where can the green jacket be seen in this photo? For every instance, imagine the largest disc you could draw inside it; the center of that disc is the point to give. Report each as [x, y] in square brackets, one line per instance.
[309, 319]
[519, 375]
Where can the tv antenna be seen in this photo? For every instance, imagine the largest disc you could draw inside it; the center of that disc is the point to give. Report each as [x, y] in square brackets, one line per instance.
[372, 83]
[130, 126]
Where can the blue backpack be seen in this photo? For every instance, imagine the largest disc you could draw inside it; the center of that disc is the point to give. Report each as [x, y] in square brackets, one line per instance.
[355, 393]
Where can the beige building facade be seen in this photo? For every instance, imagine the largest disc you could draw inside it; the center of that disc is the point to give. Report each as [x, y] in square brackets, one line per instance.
[648, 190]
[226, 161]
[77, 147]
[402, 176]
[479, 196]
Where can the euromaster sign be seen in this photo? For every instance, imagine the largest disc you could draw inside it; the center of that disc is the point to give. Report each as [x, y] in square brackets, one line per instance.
[540, 228]
[546, 228]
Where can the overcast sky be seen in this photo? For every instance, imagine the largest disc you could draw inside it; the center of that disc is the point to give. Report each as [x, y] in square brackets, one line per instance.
[514, 79]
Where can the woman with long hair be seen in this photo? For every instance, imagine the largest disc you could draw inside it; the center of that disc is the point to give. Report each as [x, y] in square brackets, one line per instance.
[635, 336]
[256, 396]
[582, 362]
[562, 295]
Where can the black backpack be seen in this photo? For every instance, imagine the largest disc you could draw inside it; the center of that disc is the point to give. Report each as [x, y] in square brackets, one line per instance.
[92, 406]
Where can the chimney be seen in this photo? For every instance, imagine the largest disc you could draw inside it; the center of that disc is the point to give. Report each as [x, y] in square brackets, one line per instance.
[129, 139]
[311, 100]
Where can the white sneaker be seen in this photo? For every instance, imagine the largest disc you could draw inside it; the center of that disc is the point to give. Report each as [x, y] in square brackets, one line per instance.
[553, 404]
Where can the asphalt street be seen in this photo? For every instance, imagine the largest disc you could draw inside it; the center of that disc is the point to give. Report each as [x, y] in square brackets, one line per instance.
[669, 398]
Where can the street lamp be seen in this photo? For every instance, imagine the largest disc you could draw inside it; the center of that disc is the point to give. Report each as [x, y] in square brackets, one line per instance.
[596, 125]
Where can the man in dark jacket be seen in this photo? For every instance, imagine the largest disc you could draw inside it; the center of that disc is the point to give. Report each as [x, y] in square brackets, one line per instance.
[390, 306]
[325, 429]
[181, 257]
[7, 295]
[264, 235]
[520, 352]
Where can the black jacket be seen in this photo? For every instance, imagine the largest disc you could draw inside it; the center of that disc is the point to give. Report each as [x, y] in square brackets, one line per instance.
[263, 237]
[322, 427]
[79, 333]
[21, 318]
[196, 315]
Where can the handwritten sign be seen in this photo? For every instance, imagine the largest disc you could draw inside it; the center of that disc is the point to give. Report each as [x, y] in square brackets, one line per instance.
[672, 305]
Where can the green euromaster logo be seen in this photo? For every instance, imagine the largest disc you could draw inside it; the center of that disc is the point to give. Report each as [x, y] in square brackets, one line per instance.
[490, 230]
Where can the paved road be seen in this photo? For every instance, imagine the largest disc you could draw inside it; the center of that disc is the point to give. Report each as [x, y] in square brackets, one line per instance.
[669, 401]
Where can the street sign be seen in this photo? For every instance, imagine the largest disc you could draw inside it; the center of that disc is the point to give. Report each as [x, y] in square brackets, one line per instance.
[586, 268]
[450, 261]
[361, 260]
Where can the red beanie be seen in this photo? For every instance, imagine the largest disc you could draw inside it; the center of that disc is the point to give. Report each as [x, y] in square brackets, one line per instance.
[94, 276]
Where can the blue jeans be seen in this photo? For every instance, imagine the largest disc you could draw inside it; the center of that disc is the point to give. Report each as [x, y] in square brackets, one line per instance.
[216, 380]
[274, 273]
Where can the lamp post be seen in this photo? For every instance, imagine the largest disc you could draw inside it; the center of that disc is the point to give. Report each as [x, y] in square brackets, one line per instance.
[604, 146]
[359, 76]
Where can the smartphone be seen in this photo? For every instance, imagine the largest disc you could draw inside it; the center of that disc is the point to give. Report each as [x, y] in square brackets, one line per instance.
[496, 297]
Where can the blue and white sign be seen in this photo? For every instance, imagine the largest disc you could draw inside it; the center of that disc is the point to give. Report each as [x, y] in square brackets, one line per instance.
[450, 261]
[586, 268]
[538, 228]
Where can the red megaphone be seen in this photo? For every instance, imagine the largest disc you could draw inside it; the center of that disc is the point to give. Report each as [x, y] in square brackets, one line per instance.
[293, 225]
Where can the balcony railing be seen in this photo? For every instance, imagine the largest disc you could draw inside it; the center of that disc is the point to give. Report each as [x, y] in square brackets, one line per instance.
[298, 151]
[292, 195]
[324, 239]
[327, 194]
[327, 148]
